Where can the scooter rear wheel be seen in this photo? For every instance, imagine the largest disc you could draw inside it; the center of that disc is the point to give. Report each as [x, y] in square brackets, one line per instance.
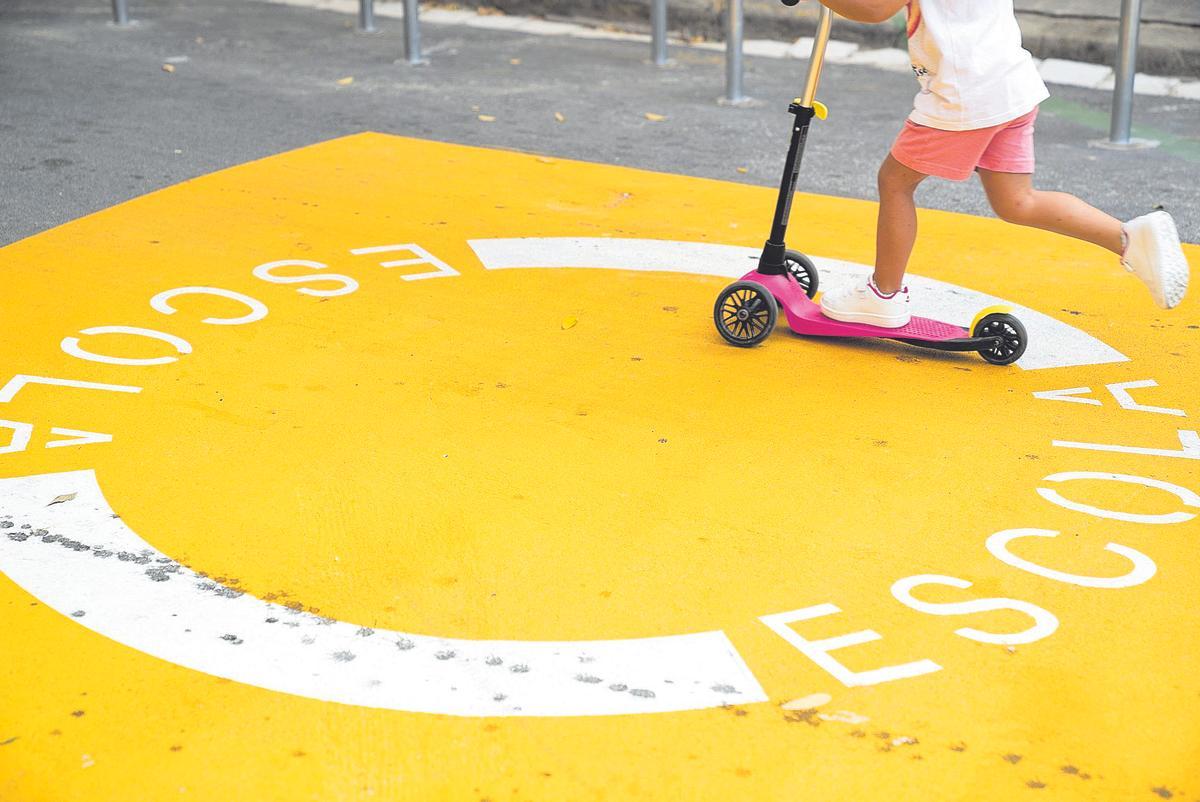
[1013, 338]
[745, 313]
[802, 269]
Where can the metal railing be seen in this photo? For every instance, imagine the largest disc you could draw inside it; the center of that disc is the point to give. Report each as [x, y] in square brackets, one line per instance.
[1122, 106]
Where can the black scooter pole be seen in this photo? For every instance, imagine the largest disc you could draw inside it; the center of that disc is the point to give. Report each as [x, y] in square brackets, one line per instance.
[773, 260]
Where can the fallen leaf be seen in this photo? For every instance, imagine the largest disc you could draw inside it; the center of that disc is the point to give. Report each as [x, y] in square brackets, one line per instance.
[743, 170]
[844, 716]
[558, 115]
[516, 62]
[168, 68]
[807, 702]
[61, 499]
[655, 118]
[488, 11]
[486, 118]
[569, 323]
[349, 79]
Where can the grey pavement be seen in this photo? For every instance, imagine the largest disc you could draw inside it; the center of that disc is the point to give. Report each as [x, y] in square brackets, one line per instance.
[88, 118]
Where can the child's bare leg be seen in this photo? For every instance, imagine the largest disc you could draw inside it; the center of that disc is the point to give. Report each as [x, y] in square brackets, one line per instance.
[896, 228]
[1014, 199]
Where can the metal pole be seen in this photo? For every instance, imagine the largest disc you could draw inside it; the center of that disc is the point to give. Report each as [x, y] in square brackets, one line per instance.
[366, 16]
[734, 24]
[658, 25]
[1122, 108]
[412, 33]
[120, 12]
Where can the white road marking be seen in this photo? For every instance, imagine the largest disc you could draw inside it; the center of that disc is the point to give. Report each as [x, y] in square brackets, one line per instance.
[1070, 395]
[1052, 343]
[78, 437]
[1120, 391]
[78, 558]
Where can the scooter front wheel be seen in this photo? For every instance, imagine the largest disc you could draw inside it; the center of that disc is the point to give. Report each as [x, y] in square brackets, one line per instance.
[1012, 338]
[745, 313]
[802, 269]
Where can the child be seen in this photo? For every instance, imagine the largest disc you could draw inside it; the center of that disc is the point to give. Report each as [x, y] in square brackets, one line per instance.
[979, 97]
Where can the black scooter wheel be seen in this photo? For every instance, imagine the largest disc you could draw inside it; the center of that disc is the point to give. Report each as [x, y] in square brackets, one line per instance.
[802, 269]
[745, 313]
[1013, 338]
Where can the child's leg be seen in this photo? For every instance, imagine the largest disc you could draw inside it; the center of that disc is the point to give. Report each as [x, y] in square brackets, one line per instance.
[1014, 199]
[896, 227]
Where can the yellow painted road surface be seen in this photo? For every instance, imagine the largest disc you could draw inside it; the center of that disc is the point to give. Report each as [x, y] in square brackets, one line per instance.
[415, 470]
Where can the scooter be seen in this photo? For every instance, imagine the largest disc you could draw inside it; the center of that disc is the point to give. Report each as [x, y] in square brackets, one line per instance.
[747, 310]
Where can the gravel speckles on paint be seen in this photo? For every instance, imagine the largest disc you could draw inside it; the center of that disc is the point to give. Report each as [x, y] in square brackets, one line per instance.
[493, 660]
[343, 657]
[447, 654]
[365, 632]
[78, 614]
[234, 639]
[642, 693]
[618, 687]
[724, 689]
[588, 678]
[404, 644]
[520, 668]
[219, 590]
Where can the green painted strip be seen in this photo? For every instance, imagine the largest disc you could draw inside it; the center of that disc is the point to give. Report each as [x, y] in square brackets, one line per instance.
[1181, 146]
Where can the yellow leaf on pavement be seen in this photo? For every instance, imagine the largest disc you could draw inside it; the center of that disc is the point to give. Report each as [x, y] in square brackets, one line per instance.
[349, 79]
[558, 115]
[486, 118]
[168, 68]
[655, 118]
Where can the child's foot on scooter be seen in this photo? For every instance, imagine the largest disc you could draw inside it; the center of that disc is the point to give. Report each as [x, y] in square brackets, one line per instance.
[862, 302]
[1153, 254]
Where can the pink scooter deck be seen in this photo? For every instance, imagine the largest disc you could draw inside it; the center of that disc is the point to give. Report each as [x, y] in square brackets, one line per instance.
[804, 316]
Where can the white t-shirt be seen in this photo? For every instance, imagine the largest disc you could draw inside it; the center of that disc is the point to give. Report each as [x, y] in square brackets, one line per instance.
[968, 58]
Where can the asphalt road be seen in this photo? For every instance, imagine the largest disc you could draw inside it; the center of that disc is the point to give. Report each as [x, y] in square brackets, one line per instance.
[89, 118]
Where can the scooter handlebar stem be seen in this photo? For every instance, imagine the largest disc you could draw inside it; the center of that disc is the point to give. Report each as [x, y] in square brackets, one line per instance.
[817, 59]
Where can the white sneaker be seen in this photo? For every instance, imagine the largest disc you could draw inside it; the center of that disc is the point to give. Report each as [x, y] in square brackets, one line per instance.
[864, 303]
[1153, 254]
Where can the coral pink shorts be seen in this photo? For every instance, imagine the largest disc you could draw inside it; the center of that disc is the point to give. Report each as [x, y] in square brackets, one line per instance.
[1004, 148]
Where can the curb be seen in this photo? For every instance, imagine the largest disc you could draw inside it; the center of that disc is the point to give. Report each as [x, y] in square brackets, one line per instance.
[1165, 49]
[840, 51]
